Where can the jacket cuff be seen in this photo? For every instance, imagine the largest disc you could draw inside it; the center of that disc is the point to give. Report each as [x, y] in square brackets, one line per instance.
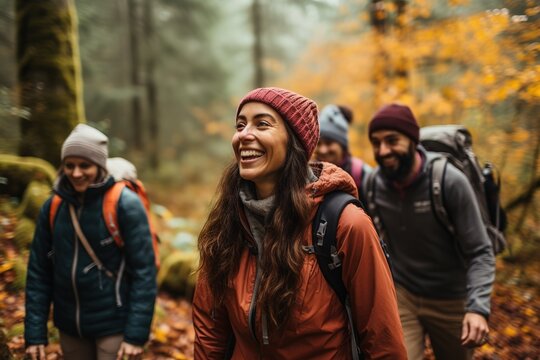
[479, 312]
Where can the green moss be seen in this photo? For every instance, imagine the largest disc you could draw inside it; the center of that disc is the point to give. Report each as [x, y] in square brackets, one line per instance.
[50, 76]
[19, 266]
[20, 171]
[15, 330]
[177, 272]
[24, 233]
[35, 195]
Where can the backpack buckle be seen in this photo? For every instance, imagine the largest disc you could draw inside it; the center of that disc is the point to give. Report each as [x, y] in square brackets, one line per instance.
[436, 188]
[321, 231]
[335, 260]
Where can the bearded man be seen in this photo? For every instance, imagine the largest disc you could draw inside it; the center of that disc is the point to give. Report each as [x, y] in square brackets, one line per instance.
[443, 282]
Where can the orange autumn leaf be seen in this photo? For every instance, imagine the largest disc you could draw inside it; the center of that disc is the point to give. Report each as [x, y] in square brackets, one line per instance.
[510, 331]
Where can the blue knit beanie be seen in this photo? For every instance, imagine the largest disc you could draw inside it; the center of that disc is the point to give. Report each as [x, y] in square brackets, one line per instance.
[334, 125]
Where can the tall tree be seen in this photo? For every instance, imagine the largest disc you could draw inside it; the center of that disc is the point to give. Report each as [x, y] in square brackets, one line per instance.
[258, 56]
[49, 75]
[135, 71]
[150, 83]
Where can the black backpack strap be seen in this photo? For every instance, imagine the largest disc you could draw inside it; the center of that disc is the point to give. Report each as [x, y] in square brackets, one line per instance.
[324, 238]
[373, 212]
[438, 168]
[325, 248]
[371, 205]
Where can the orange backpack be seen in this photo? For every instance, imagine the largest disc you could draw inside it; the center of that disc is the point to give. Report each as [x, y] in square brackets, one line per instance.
[110, 211]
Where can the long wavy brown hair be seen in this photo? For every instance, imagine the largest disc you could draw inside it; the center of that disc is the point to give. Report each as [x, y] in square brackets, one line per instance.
[221, 243]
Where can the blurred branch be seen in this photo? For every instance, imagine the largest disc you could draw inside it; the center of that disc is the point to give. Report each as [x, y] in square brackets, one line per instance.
[525, 197]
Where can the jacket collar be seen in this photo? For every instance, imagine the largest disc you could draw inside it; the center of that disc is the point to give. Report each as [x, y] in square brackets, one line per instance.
[63, 188]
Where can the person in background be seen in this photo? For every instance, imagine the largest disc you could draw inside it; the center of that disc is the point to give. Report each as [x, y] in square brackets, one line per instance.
[102, 313]
[333, 145]
[443, 283]
[260, 291]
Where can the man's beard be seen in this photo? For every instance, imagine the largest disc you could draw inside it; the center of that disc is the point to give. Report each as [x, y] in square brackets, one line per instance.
[405, 163]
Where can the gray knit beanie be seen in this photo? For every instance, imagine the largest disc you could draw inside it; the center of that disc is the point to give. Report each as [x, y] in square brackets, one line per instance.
[334, 126]
[87, 142]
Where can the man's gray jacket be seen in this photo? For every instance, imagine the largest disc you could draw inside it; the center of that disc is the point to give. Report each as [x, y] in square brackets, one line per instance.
[427, 260]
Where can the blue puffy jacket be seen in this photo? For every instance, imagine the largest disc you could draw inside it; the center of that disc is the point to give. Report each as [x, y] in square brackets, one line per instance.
[87, 302]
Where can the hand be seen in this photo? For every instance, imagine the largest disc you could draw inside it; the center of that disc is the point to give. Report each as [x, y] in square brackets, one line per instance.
[129, 351]
[475, 330]
[36, 352]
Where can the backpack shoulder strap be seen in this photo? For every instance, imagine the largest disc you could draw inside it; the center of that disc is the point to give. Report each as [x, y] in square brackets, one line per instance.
[55, 204]
[370, 199]
[373, 212]
[137, 187]
[85, 243]
[325, 246]
[437, 171]
[110, 211]
[357, 167]
[324, 238]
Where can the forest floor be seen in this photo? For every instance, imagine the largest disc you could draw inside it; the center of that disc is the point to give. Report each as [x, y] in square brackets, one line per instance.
[515, 322]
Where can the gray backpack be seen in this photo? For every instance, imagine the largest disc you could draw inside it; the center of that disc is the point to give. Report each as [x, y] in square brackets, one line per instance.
[454, 143]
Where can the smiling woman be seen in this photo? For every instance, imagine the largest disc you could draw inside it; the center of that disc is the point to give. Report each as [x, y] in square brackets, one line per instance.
[80, 172]
[101, 313]
[260, 146]
[260, 291]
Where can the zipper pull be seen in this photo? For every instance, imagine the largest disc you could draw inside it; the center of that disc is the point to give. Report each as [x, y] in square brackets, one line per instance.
[89, 267]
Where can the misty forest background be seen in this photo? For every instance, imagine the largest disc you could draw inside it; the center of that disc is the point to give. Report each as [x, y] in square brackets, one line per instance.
[162, 79]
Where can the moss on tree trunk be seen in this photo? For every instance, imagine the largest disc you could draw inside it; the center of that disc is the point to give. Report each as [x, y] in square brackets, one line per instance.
[49, 75]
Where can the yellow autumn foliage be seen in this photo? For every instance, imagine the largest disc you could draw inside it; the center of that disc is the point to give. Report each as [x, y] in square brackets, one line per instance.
[480, 70]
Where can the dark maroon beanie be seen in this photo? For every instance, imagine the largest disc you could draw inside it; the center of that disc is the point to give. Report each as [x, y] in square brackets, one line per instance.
[297, 110]
[395, 117]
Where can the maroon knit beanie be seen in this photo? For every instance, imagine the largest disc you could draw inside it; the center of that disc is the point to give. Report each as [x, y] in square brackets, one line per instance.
[298, 111]
[395, 117]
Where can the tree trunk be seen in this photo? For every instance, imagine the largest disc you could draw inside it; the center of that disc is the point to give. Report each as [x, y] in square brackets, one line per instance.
[378, 15]
[49, 75]
[401, 67]
[136, 101]
[256, 19]
[151, 88]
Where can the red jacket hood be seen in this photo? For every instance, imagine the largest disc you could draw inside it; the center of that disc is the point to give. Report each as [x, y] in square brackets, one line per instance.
[330, 178]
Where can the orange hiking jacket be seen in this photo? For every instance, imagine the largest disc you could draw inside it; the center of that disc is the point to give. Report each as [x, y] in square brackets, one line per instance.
[318, 326]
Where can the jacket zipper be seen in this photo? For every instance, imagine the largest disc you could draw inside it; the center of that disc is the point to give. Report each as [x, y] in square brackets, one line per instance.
[252, 306]
[74, 281]
[118, 281]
